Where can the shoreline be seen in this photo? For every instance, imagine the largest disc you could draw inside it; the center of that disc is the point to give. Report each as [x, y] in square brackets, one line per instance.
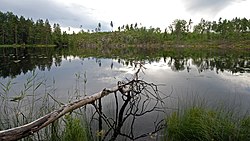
[23, 46]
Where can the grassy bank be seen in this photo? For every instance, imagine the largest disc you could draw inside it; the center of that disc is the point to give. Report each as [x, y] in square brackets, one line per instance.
[203, 124]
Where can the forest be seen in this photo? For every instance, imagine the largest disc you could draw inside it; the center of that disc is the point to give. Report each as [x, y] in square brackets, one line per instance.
[21, 31]
[179, 32]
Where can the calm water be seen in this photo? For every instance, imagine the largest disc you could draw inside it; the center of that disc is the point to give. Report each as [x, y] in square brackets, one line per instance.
[212, 78]
[217, 79]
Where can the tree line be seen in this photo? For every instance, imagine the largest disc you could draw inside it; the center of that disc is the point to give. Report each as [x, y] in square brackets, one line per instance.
[223, 29]
[237, 28]
[179, 31]
[18, 30]
[21, 31]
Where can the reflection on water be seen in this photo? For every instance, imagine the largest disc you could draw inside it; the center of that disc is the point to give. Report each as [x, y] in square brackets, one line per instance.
[224, 78]
[210, 75]
[215, 75]
[15, 61]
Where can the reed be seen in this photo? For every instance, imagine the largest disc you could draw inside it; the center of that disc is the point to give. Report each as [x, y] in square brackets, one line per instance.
[202, 123]
[37, 98]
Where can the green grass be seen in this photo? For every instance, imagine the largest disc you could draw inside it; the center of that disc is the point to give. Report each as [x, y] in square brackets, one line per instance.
[19, 108]
[75, 130]
[201, 124]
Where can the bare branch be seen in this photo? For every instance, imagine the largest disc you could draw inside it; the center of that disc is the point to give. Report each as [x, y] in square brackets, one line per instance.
[139, 98]
[35, 126]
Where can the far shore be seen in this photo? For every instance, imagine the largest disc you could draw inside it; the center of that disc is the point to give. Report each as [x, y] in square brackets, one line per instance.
[245, 45]
[23, 45]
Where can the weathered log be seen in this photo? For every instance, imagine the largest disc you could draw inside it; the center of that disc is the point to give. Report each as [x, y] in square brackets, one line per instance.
[33, 127]
[30, 128]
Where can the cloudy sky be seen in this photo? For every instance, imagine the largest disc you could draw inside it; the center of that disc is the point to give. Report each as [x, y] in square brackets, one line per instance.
[156, 13]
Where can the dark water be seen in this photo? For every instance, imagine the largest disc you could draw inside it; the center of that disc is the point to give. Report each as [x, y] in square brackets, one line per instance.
[211, 77]
[220, 78]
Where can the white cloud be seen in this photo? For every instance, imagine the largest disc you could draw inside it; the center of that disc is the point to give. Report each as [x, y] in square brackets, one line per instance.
[237, 9]
[157, 13]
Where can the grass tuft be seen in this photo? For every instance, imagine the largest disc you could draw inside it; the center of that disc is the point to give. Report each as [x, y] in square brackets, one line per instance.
[203, 124]
[75, 130]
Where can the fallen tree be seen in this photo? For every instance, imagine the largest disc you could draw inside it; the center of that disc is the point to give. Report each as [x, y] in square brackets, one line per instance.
[35, 126]
[30, 128]
[131, 89]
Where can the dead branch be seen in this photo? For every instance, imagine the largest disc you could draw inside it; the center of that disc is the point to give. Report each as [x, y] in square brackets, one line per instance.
[134, 105]
[33, 127]
[143, 98]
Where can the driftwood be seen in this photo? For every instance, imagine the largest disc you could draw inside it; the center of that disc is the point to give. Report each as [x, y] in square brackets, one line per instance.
[33, 127]
[141, 99]
[137, 96]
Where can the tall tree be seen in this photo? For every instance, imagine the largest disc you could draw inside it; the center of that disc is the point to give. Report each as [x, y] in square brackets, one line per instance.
[2, 28]
[111, 24]
[179, 28]
[99, 27]
[47, 32]
[31, 31]
[57, 40]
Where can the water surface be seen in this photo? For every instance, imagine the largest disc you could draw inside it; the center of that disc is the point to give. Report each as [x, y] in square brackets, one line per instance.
[214, 78]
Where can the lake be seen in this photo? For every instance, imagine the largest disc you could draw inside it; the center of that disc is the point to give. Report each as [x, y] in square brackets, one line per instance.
[213, 76]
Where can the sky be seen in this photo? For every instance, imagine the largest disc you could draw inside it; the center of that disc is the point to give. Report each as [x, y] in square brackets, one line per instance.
[156, 13]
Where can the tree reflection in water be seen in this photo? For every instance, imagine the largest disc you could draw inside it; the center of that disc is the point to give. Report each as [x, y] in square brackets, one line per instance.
[15, 61]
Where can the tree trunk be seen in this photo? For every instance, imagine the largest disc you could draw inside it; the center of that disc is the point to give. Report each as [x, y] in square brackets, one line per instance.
[30, 128]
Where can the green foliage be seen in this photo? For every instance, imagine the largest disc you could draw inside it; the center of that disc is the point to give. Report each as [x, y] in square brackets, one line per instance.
[75, 130]
[202, 124]
[21, 31]
[205, 33]
[15, 30]
[245, 129]
[27, 106]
